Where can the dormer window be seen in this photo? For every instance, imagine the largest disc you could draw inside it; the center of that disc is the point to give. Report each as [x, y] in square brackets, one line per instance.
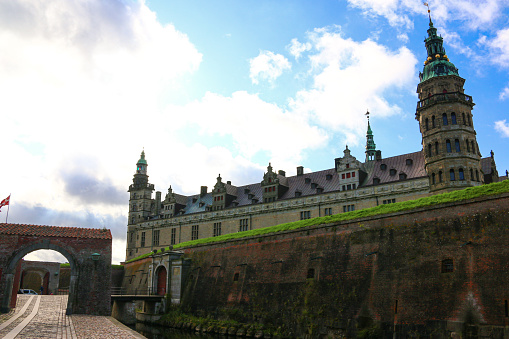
[402, 176]
[194, 200]
[347, 165]
[246, 190]
[376, 181]
[392, 171]
[383, 167]
[307, 180]
[298, 194]
[328, 177]
[314, 185]
[409, 162]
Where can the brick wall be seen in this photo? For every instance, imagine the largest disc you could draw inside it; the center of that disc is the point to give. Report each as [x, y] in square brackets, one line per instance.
[448, 263]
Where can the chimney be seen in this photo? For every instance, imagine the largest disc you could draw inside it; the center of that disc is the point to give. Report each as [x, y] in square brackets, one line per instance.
[300, 170]
[378, 155]
[228, 182]
[203, 190]
[281, 172]
[158, 203]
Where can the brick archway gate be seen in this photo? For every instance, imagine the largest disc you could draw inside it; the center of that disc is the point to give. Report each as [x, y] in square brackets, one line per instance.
[89, 290]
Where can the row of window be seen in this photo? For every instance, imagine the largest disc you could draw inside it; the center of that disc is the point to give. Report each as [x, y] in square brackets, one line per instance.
[217, 229]
[452, 176]
[270, 189]
[471, 146]
[389, 201]
[271, 199]
[348, 187]
[219, 198]
[348, 175]
[348, 208]
[445, 121]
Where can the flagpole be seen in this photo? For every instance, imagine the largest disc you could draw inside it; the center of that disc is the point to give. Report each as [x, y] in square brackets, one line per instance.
[8, 207]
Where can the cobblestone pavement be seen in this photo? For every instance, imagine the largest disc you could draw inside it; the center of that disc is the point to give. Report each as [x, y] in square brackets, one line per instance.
[44, 317]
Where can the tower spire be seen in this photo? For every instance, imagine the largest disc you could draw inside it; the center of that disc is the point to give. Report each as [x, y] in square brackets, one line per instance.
[370, 143]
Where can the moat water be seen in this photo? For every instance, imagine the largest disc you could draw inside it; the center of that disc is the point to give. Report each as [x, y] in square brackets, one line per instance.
[159, 332]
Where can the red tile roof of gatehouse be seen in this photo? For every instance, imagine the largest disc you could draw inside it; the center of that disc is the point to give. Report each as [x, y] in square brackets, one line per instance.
[54, 231]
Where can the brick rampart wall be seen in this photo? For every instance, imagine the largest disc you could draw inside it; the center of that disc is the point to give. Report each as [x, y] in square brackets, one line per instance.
[391, 269]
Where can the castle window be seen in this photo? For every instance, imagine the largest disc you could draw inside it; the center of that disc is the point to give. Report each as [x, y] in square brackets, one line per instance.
[243, 225]
[440, 179]
[451, 172]
[299, 193]
[453, 118]
[429, 150]
[409, 162]
[320, 190]
[376, 181]
[195, 232]
[433, 178]
[236, 277]
[448, 146]
[383, 167]
[464, 120]
[133, 220]
[155, 238]
[476, 175]
[457, 144]
[468, 146]
[348, 208]
[305, 215]
[173, 236]
[433, 122]
[314, 185]
[307, 180]
[353, 174]
[473, 146]
[142, 244]
[348, 175]
[343, 176]
[347, 165]
[472, 174]
[436, 148]
[246, 190]
[427, 124]
[461, 174]
[353, 186]
[447, 265]
[217, 229]
[265, 189]
[402, 176]
[311, 273]
[328, 177]
[392, 171]
[348, 187]
[328, 211]
[444, 118]
[469, 121]
[344, 188]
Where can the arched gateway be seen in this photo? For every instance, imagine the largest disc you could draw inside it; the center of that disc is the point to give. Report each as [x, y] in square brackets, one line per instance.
[89, 290]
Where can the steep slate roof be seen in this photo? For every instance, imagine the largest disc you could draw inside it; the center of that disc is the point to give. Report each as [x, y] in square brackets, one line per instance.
[486, 165]
[54, 231]
[398, 163]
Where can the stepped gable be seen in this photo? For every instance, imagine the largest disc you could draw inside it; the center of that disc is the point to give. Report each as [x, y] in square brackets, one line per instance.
[54, 231]
[413, 169]
[308, 183]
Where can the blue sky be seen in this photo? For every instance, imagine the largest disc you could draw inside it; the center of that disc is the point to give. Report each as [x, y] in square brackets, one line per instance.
[208, 87]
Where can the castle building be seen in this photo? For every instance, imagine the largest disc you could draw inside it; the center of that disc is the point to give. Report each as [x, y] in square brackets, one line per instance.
[449, 160]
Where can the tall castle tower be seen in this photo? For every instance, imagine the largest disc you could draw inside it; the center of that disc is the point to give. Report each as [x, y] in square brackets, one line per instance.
[444, 111]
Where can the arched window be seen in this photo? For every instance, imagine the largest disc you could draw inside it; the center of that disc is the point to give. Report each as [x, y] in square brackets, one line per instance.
[476, 175]
[429, 150]
[448, 146]
[457, 144]
[453, 177]
[433, 178]
[468, 146]
[440, 179]
[436, 148]
[453, 118]
[473, 146]
[433, 122]
[472, 174]
[426, 124]
[464, 118]
[469, 121]
[444, 118]
[461, 174]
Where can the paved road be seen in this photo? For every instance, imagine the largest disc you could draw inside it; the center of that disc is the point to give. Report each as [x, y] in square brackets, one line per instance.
[43, 316]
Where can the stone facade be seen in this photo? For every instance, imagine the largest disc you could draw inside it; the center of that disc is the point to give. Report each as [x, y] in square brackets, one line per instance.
[450, 160]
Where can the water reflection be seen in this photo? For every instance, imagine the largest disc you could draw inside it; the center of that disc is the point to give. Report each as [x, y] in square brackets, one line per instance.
[159, 332]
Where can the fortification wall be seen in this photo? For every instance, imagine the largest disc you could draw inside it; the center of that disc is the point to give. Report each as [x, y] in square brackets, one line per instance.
[429, 269]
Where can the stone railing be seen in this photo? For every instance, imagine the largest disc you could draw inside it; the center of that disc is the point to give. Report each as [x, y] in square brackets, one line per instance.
[445, 97]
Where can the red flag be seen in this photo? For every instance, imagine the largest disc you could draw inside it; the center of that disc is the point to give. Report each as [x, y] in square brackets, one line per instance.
[5, 202]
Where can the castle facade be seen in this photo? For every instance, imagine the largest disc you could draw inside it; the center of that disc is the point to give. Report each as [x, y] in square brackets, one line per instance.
[449, 160]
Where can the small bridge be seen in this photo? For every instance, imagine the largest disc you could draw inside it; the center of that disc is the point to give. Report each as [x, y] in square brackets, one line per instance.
[122, 302]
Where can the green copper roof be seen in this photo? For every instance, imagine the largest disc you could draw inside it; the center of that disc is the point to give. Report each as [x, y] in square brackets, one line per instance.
[370, 143]
[437, 62]
[142, 159]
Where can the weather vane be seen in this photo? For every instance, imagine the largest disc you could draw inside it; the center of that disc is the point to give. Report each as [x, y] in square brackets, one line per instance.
[367, 114]
[429, 12]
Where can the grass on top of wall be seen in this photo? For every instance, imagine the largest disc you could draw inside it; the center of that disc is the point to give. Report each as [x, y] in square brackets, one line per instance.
[464, 194]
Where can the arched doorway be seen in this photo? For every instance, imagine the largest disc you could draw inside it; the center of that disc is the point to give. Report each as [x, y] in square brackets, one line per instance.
[9, 300]
[161, 280]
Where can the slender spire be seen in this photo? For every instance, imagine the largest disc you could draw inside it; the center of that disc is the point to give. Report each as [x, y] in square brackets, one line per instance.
[370, 143]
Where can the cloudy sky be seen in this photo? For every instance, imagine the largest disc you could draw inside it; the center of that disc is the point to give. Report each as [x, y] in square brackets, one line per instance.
[208, 87]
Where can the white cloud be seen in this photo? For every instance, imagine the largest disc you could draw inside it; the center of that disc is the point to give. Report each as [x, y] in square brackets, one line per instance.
[350, 77]
[504, 94]
[267, 66]
[502, 127]
[499, 47]
[296, 48]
